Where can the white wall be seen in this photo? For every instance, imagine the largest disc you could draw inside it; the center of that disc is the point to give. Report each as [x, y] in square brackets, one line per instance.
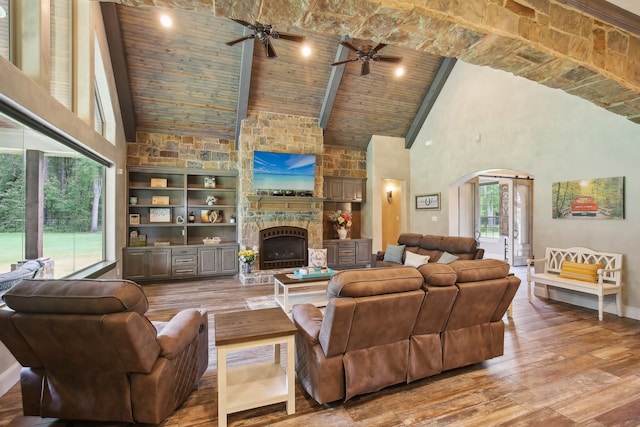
[386, 159]
[545, 132]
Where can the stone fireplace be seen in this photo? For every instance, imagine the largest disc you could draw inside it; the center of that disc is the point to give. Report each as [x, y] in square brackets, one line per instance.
[283, 247]
[258, 213]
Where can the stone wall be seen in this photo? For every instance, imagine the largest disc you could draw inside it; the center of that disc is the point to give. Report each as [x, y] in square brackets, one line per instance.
[344, 163]
[278, 133]
[173, 151]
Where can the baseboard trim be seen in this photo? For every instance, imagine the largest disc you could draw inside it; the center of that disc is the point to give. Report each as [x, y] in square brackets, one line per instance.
[9, 378]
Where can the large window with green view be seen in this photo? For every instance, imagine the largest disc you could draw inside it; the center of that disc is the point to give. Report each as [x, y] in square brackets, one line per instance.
[490, 210]
[70, 219]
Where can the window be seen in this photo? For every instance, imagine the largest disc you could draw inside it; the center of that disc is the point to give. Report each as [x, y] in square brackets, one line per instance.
[490, 210]
[4, 29]
[61, 51]
[72, 206]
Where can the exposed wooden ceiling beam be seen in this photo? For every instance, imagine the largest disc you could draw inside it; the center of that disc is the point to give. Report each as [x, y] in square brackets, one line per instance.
[120, 69]
[429, 99]
[334, 83]
[246, 64]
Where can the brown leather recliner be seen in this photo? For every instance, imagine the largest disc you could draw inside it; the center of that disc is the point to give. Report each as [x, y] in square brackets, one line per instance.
[361, 344]
[89, 353]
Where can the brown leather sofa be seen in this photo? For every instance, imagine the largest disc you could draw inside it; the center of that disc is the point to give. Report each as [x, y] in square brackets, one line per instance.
[464, 248]
[385, 326]
[89, 353]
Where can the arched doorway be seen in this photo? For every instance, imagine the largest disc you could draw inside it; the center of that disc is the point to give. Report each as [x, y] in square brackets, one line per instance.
[496, 207]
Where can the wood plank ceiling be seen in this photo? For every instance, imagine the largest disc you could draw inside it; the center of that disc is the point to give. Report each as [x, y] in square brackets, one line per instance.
[185, 80]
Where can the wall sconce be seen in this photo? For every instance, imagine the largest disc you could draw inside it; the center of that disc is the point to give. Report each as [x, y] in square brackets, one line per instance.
[389, 195]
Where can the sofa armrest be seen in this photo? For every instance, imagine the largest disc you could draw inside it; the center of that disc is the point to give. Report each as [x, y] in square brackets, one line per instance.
[308, 320]
[180, 331]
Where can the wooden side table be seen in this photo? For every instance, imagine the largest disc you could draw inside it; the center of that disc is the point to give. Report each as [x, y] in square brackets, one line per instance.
[250, 386]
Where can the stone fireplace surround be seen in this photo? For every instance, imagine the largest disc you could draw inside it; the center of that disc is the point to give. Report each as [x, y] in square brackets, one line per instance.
[280, 133]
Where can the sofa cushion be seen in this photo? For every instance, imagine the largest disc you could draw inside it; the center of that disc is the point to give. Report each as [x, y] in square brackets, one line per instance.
[318, 258]
[459, 245]
[430, 242]
[446, 258]
[435, 274]
[62, 296]
[580, 271]
[373, 281]
[480, 269]
[394, 253]
[411, 241]
[415, 260]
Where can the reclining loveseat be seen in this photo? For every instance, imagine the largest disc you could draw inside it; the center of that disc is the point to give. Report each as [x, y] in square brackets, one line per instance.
[385, 326]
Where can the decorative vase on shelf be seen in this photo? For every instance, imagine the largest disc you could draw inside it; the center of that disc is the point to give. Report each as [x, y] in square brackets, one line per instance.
[342, 233]
[246, 268]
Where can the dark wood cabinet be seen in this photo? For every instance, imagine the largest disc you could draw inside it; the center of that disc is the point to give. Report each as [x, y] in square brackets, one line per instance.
[219, 260]
[147, 264]
[344, 189]
[180, 262]
[349, 253]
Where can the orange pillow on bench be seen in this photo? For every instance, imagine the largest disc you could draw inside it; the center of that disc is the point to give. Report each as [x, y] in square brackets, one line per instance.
[580, 271]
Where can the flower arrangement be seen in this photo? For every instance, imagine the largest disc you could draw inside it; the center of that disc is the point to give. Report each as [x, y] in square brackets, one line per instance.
[340, 219]
[247, 256]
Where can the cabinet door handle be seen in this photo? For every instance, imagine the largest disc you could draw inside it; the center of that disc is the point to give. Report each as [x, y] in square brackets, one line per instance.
[183, 261]
[184, 271]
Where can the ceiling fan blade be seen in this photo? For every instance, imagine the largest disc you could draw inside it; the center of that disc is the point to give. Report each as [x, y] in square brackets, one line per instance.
[393, 59]
[244, 23]
[365, 69]
[349, 45]
[345, 61]
[241, 39]
[291, 37]
[379, 46]
[268, 47]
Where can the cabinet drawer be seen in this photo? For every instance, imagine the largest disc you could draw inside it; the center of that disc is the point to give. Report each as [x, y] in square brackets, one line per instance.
[184, 251]
[186, 271]
[348, 260]
[185, 260]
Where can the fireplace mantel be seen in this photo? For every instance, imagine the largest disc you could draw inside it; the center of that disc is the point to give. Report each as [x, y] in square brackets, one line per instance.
[285, 203]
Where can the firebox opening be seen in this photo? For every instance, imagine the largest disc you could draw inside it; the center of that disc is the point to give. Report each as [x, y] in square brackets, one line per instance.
[283, 247]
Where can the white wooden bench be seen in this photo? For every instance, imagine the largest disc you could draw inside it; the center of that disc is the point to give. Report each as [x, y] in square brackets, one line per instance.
[609, 277]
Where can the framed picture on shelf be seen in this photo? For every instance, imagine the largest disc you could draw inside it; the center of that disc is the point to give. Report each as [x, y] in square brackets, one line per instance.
[159, 214]
[428, 201]
[134, 219]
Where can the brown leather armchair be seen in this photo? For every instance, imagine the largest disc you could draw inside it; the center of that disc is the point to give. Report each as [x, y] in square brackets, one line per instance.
[89, 353]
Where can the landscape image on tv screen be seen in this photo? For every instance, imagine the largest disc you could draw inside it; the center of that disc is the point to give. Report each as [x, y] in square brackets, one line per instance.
[283, 171]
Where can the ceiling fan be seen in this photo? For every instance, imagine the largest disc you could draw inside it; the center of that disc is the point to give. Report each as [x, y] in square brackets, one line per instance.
[365, 54]
[264, 33]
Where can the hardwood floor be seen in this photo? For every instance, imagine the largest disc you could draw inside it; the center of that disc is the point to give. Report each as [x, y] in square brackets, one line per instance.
[561, 367]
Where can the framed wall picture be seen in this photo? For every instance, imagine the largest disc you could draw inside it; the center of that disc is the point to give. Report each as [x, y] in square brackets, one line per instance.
[428, 201]
[159, 214]
[134, 219]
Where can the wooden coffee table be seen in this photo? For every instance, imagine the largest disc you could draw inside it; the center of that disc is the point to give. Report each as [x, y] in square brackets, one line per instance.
[250, 386]
[289, 290]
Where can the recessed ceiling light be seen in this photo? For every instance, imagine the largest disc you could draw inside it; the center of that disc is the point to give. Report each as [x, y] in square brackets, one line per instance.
[306, 50]
[166, 21]
[399, 71]
[3, 13]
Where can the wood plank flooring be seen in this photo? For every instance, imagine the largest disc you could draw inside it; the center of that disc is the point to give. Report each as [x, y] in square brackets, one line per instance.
[561, 367]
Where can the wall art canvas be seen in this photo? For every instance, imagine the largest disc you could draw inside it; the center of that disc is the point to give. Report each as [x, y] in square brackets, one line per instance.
[597, 198]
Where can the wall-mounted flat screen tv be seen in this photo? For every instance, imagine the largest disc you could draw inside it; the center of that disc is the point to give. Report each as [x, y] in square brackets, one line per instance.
[283, 171]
